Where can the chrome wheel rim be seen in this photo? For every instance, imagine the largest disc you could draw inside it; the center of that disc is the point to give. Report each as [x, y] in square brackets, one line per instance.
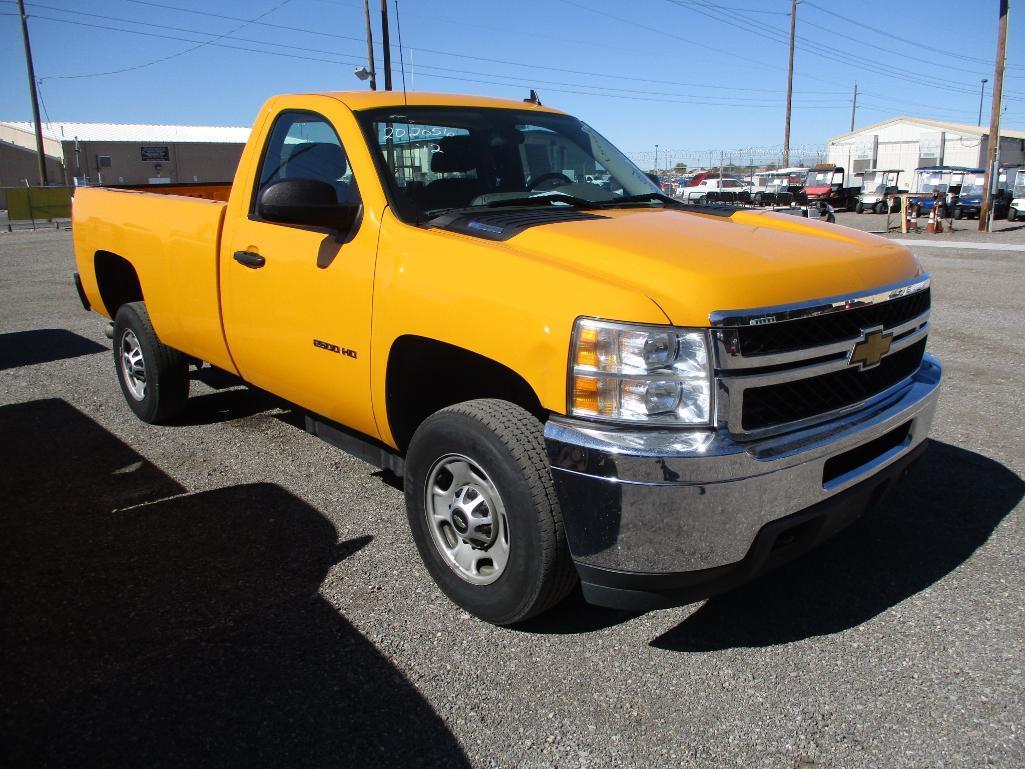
[467, 519]
[133, 366]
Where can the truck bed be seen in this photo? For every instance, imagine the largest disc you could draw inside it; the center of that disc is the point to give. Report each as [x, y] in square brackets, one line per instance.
[172, 241]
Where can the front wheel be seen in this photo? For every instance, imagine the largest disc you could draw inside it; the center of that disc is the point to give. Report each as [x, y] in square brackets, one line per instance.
[958, 213]
[1012, 214]
[880, 207]
[859, 208]
[153, 377]
[483, 511]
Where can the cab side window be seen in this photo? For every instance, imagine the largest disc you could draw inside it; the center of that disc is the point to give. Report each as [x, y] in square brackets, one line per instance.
[304, 145]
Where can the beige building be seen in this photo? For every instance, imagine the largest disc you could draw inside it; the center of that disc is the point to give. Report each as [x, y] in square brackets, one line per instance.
[910, 142]
[118, 153]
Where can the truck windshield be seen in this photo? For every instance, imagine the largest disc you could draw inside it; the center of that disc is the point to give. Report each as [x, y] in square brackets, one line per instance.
[874, 182]
[973, 185]
[1019, 185]
[435, 159]
[820, 178]
[931, 181]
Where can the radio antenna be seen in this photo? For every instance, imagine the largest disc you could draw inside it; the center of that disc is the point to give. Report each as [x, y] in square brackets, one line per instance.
[402, 58]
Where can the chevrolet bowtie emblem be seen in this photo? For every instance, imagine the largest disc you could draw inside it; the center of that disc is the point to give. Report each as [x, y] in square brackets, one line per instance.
[871, 349]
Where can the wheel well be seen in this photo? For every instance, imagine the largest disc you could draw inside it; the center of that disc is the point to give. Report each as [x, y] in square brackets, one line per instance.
[117, 281]
[425, 375]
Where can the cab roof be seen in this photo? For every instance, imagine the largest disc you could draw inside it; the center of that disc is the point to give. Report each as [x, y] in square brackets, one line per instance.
[362, 100]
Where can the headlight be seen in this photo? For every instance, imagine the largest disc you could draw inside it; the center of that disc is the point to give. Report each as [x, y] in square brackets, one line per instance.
[631, 373]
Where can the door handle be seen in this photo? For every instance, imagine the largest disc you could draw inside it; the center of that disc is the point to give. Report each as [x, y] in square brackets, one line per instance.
[249, 259]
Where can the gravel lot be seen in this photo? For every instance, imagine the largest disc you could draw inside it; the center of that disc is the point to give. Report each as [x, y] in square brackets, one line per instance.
[232, 592]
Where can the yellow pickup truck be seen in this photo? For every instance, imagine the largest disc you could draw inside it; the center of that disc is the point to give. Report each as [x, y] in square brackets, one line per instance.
[578, 378]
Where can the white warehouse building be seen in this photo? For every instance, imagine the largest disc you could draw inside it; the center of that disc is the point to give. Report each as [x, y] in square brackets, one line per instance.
[911, 142]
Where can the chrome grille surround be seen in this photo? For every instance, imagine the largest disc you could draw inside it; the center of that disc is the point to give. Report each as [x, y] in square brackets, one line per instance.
[736, 373]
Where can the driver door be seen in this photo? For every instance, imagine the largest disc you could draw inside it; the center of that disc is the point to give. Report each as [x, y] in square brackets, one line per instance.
[297, 299]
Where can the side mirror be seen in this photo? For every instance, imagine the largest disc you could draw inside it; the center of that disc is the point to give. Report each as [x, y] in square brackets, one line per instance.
[309, 202]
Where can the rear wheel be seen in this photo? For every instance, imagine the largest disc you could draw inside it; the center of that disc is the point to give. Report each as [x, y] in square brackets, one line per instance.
[958, 212]
[483, 511]
[154, 378]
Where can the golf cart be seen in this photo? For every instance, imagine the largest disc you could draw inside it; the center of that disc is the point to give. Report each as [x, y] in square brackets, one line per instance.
[825, 184]
[781, 187]
[877, 187]
[969, 201]
[1017, 209]
[934, 185]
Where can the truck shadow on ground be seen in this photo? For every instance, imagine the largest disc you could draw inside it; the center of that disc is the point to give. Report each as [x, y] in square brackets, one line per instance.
[931, 524]
[145, 626]
[44, 345]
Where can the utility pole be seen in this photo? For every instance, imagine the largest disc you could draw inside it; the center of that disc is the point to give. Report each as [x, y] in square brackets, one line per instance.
[994, 121]
[790, 82]
[386, 44]
[40, 156]
[854, 106]
[982, 95]
[370, 45]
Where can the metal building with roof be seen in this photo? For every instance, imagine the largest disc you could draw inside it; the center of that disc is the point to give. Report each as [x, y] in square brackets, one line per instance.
[120, 153]
[911, 142]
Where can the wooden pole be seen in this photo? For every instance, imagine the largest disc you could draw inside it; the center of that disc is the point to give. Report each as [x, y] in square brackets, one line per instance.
[40, 155]
[370, 45]
[790, 83]
[994, 121]
[854, 106]
[386, 44]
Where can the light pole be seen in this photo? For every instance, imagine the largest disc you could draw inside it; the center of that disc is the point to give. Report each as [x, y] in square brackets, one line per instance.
[656, 160]
[982, 94]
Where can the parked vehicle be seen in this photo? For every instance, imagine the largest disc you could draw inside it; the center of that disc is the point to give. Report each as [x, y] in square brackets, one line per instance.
[782, 187]
[969, 198]
[708, 186]
[828, 184]
[1017, 207]
[932, 184]
[878, 188]
[574, 383]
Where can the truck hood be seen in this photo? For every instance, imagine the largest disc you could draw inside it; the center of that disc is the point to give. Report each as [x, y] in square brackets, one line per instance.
[693, 264]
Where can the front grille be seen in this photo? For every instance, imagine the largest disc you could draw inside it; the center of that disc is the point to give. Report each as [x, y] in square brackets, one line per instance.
[818, 330]
[778, 404]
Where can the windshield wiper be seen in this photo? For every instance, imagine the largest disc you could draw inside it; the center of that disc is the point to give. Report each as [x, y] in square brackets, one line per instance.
[647, 197]
[537, 200]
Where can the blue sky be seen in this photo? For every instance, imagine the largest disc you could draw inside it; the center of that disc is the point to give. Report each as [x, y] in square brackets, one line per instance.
[689, 75]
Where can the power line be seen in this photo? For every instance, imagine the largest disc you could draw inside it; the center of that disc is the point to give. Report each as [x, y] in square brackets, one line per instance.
[417, 48]
[905, 40]
[833, 54]
[604, 93]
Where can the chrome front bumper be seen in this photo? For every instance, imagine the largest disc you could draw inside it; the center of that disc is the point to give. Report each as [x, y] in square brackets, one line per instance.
[666, 502]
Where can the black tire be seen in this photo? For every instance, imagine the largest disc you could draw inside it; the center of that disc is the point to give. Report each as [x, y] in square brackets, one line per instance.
[880, 207]
[1012, 214]
[859, 208]
[166, 374]
[506, 442]
[958, 212]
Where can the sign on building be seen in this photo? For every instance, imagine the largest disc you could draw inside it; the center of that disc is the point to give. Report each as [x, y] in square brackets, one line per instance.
[930, 149]
[863, 154]
[155, 154]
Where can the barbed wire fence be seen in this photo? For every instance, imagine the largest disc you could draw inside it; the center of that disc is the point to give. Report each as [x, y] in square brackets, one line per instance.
[752, 158]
